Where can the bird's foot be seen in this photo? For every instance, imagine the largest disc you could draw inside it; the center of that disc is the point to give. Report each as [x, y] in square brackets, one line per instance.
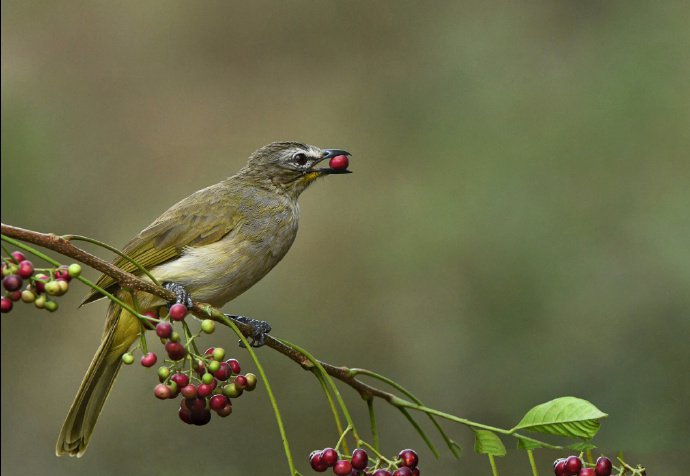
[259, 328]
[181, 294]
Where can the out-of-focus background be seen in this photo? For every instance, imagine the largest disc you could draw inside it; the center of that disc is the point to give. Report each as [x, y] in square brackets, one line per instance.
[516, 227]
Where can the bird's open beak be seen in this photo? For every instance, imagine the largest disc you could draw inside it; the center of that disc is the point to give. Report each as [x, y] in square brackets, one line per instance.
[329, 154]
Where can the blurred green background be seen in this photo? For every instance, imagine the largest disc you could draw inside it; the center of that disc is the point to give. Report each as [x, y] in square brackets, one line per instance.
[516, 228]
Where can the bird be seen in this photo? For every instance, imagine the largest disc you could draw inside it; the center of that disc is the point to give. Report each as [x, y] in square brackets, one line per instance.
[212, 245]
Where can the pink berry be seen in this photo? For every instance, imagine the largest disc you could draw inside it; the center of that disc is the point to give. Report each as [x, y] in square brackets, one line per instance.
[5, 304]
[188, 391]
[342, 467]
[63, 273]
[339, 162]
[408, 458]
[164, 329]
[26, 269]
[603, 467]
[162, 391]
[175, 350]
[403, 471]
[149, 360]
[573, 465]
[586, 472]
[12, 282]
[178, 312]
[316, 462]
[18, 256]
[218, 402]
[360, 458]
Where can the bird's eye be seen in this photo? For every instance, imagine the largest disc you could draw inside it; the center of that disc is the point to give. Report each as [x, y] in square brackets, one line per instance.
[299, 159]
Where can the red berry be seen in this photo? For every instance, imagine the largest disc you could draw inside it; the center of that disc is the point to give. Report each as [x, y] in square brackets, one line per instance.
[234, 365]
[381, 472]
[164, 329]
[225, 411]
[15, 296]
[63, 273]
[360, 458]
[178, 312]
[185, 415]
[559, 467]
[224, 372]
[162, 391]
[403, 471]
[408, 458]
[195, 405]
[342, 467]
[204, 390]
[329, 456]
[415, 472]
[603, 467]
[18, 256]
[317, 463]
[26, 269]
[175, 350]
[586, 472]
[573, 465]
[241, 382]
[149, 360]
[218, 402]
[182, 380]
[5, 304]
[12, 282]
[339, 162]
[188, 391]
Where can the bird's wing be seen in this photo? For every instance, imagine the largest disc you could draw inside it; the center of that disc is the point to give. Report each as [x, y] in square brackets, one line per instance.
[202, 218]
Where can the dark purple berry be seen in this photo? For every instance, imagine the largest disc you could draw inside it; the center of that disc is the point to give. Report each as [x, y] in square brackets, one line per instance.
[12, 282]
[329, 456]
[178, 312]
[225, 411]
[175, 350]
[201, 418]
[403, 471]
[342, 467]
[381, 472]
[185, 415]
[360, 458]
[573, 465]
[603, 467]
[408, 458]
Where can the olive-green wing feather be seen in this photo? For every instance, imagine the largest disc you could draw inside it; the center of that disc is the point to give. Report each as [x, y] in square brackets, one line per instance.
[202, 218]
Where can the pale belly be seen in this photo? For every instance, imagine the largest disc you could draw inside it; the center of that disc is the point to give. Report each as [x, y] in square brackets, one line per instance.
[219, 272]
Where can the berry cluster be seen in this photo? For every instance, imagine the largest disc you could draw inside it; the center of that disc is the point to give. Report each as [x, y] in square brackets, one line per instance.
[573, 466]
[205, 382]
[359, 463]
[39, 285]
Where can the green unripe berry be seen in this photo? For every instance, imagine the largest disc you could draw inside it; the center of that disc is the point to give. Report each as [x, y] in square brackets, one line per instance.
[163, 373]
[175, 337]
[251, 381]
[12, 269]
[127, 359]
[172, 386]
[213, 366]
[63, 286]
[51, 306]
[52, 288]
[28, 296]
[207, 378]
[40, 301]
[74, 270]
[208, 326]
[231, 391]
[218, 354]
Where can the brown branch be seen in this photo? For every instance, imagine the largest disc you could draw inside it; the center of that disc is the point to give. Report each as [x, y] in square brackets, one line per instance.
[129, 281]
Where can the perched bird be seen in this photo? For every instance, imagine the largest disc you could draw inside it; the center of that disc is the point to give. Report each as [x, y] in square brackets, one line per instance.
[214, 244]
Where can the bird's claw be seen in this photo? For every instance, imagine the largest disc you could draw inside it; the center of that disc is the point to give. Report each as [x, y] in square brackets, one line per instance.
[260, 329]
[181, 294]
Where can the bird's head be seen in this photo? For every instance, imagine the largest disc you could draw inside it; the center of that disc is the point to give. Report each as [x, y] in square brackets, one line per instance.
[290, 166]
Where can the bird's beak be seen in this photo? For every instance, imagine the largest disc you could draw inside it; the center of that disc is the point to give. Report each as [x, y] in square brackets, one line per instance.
[329, 154]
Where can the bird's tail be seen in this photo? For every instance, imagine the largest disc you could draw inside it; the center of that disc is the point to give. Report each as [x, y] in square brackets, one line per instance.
[122, 328]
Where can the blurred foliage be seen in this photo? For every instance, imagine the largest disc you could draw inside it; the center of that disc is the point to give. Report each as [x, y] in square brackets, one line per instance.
[516, 228]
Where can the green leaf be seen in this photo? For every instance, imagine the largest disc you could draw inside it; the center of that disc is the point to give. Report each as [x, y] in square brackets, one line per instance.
[488, 443]
[565, 416]
[582, 446]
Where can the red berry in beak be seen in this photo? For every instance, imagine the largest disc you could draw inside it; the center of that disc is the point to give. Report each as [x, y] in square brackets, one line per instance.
[339, 162]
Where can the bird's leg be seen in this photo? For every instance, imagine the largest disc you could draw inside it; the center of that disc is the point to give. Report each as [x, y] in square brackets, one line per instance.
[181, 294]
[259, 328]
